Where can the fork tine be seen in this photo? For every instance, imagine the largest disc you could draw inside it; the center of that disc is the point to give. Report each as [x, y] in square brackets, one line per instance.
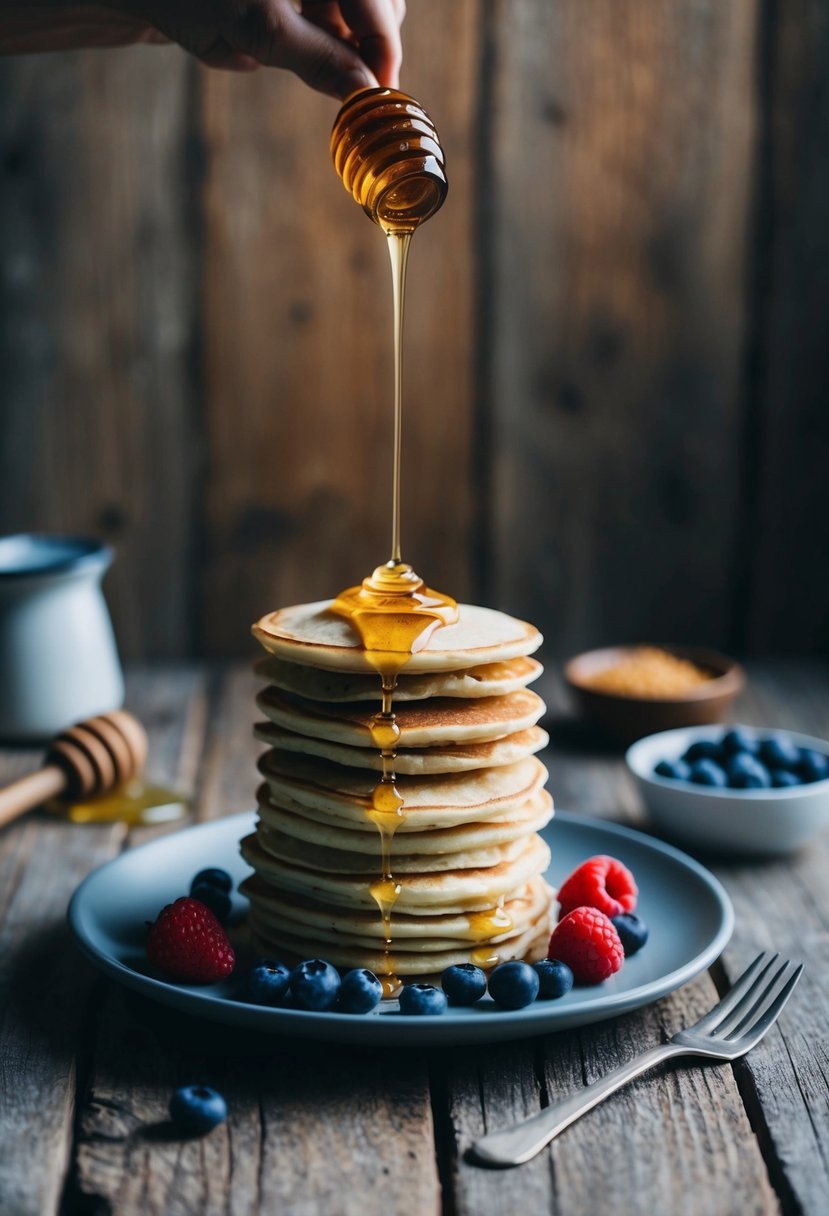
[741, 986]
[752, 1002]
[766, 1010]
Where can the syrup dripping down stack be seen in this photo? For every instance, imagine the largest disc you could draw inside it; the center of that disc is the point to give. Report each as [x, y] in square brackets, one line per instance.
[460, 877]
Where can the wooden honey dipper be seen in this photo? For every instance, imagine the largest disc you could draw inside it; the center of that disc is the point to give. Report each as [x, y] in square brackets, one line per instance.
[90, 758]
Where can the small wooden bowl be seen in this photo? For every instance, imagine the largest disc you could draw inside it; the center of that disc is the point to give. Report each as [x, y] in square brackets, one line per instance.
[626, 718]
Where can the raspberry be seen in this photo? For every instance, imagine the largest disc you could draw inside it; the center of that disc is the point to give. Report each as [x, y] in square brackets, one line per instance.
[187, 943]
[600, 882]
[587, 941]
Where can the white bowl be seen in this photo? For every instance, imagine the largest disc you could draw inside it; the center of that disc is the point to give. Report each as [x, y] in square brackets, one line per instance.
[725, 820]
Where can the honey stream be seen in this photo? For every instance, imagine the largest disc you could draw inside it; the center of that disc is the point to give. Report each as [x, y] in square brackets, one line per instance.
[386, 149]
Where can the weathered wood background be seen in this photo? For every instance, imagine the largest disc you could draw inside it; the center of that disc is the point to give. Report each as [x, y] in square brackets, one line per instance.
[617, 327]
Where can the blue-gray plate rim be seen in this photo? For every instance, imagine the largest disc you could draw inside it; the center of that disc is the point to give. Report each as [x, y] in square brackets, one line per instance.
[689, 913]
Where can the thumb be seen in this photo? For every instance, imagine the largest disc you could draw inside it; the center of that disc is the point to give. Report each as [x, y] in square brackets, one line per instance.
[323, 61]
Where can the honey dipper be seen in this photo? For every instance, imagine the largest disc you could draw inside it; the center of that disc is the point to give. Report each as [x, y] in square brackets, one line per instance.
[90, 758]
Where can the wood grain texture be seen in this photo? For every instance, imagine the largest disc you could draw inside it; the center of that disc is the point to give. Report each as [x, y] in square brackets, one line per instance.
[622, 144]
[298, 346]
[790, 435]
[42, 860]
[692, 1119]
[785, 1082]
[96, 319]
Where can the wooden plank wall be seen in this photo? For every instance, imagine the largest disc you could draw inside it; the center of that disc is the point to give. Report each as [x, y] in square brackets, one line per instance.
[616, 336]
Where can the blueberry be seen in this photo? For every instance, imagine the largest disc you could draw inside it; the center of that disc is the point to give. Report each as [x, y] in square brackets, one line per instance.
[739, 740]
[779, 752]
[633, 932]
[703, 749]
[554, 979]
[813, 766]
[196, 1109]
[747, 773]
[217, 901]
[514, 985]
[360, 991]
[463, 984]
[781, 778]
[420, 1000]
[267, 982]
[315, 984]
[214, 878]
[706, 772]
[675, 770]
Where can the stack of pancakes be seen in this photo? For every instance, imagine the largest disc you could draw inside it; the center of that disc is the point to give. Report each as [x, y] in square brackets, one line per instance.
[466, 855]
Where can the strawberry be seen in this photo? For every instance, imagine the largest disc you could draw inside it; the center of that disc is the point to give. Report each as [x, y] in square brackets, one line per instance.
[600, 882]
[187, 943]
[587, 941]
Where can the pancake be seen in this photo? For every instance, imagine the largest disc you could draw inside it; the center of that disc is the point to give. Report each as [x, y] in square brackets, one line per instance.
[462, 874]
[333, 924]
[449, 890]
[323, 859]
[365, 843]
[530, 946]
[317, 684]
[313, 636]
[437, 722]
[411, 761]
[341, 796]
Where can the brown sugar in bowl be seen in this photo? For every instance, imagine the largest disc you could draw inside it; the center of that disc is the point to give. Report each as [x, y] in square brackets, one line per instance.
[625, 717]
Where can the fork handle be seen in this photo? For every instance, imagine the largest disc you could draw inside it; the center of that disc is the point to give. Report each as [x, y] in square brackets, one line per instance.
[523, 1140]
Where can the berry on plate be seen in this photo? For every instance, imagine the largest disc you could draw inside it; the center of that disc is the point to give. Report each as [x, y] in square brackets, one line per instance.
[214, 898]
[187, 943]
[360, 991]
[421, 1000]
[633, 932]
[315, 984]
[600, 882]
[267, 982]
[513, 985]
[213, 877]
[554, 977]
[197, 1109]
[587, 941]
[464, 984]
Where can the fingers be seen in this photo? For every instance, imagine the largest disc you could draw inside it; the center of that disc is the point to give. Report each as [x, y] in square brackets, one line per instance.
[376, 26]
[220, 55]
[323, 61]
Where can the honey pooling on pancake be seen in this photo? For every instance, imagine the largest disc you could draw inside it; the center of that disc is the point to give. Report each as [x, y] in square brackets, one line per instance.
[394, 614]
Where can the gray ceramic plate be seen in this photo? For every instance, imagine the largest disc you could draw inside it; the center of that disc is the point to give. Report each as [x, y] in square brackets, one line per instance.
[689, 914]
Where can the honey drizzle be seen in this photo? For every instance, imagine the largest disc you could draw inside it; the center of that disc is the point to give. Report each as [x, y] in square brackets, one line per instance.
[387, 152]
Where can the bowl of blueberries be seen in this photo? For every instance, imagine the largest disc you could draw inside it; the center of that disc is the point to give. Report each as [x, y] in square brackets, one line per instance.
[734, 789]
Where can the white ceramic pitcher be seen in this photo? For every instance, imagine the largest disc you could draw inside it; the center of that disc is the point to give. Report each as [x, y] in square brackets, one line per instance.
[58, 658]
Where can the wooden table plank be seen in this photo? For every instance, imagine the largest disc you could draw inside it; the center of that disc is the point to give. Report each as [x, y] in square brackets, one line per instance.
[618, 308]
[783, 905]
[42, 860]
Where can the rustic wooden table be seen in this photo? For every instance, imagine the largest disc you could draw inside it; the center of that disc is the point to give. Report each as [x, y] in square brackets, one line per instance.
[87, 1069]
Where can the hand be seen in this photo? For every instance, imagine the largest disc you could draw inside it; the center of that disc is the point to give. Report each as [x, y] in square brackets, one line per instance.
[336, 46]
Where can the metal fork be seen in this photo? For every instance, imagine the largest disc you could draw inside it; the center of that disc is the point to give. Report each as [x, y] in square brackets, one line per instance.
[731, 1029]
